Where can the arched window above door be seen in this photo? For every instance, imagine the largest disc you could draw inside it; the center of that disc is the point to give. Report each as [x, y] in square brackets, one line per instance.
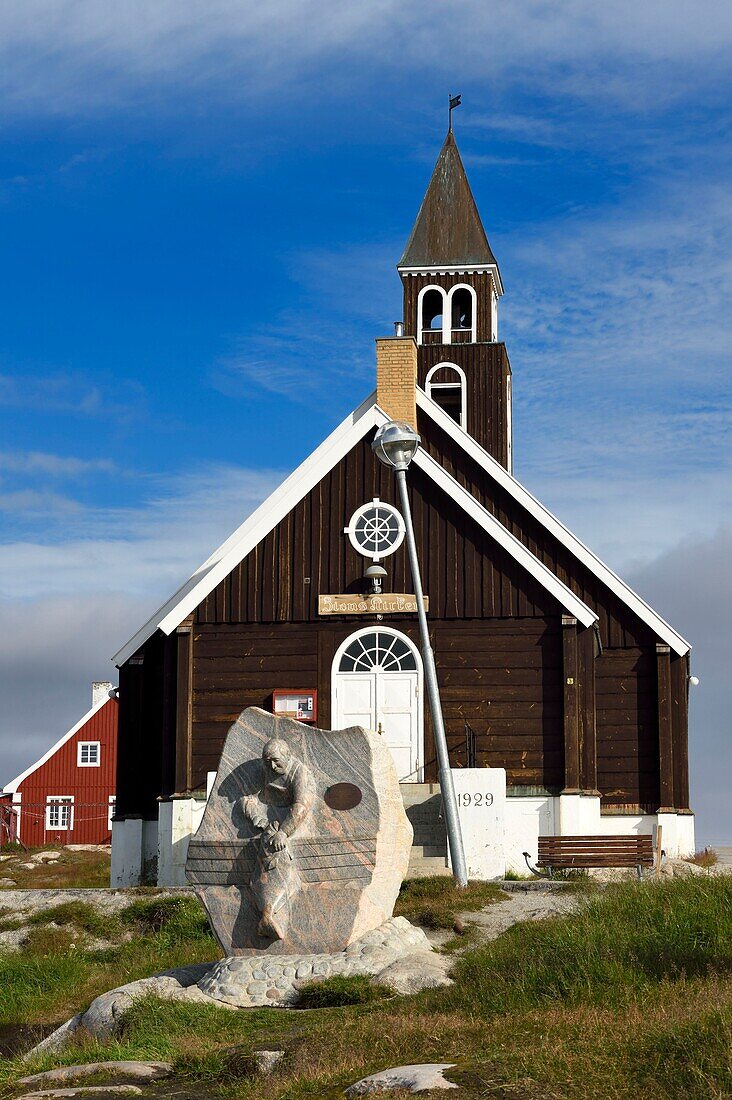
[445, 384]
[377, 649]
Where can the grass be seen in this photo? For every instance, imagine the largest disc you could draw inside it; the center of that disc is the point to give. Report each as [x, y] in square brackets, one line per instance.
[630, 996]
[340, 990]
[81, 915]
[80, 870]
[436, 903]
[55, 976]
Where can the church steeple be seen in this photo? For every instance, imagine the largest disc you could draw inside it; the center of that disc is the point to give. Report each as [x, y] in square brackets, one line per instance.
[451, 290]
[448, 230]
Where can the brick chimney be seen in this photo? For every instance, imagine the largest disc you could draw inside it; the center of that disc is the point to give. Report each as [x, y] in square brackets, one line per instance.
[100, 690]
[396, 377]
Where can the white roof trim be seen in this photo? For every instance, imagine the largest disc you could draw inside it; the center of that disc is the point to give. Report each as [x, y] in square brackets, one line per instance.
[553, 525]
[12, 786]
[465, 269]
[368, 415]
[485, 519]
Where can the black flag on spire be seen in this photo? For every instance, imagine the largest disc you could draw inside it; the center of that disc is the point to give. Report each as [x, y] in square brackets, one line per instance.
[454, 102]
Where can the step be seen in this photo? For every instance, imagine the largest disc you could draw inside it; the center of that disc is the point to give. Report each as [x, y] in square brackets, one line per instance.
[427, 868]
[429, 851]
[415, 793]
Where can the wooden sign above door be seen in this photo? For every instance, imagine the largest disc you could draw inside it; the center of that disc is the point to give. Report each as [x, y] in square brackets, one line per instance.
[390, 603]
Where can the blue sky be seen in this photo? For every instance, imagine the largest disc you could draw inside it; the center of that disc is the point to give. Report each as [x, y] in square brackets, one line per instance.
[201, 207]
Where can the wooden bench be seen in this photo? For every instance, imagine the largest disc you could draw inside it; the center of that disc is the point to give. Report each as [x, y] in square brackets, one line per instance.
[564, 853]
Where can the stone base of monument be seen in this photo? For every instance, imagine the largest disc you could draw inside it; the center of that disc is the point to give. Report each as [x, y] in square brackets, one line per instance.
[251, 981]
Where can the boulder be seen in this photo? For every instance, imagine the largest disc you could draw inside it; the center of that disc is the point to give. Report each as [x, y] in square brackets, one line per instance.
[304, 841]
[415, 972]
[102, 1092]
[138, 1071]
[268, 1060]
[417, 1078]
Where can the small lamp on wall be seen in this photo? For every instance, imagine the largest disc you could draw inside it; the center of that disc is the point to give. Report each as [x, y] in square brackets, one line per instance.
[374, 577]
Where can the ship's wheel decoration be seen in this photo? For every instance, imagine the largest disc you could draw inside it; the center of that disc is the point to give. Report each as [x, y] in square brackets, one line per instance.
[376, 529]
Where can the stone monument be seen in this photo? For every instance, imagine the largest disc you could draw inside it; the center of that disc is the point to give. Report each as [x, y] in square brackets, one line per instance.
[304, 842]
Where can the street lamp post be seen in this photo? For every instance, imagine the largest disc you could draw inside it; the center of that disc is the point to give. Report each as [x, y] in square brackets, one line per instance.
[395, 445]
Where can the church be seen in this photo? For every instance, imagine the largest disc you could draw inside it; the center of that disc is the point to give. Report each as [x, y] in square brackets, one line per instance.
[549, 665]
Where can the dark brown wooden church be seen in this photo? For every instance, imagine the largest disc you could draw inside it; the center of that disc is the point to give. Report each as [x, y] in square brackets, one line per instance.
[549, 665]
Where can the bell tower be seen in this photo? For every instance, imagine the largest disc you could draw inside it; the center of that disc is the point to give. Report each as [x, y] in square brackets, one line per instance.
[452, 286]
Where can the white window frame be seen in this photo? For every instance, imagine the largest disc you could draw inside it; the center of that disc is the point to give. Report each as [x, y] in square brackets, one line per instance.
[474, 313]
[112, 808]
[386, 551]
[430, 386]
[60, 800]
[81, 745]
[446, 315]
[494, 316]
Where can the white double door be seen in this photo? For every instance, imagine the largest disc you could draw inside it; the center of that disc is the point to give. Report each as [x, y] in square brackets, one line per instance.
[390, 703]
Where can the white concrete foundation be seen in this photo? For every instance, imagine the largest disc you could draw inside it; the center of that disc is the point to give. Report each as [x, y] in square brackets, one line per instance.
[134, 852]
[179, 820]
[579, 815]
[142, 851]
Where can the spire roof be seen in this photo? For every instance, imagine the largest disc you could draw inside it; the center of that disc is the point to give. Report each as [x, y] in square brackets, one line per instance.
[448, 229]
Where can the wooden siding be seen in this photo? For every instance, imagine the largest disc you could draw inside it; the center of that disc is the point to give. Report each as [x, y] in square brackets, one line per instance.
[465, 573]
[627, 727]
[486, 370]
[503, 676]
[479, 280]
[90, 788]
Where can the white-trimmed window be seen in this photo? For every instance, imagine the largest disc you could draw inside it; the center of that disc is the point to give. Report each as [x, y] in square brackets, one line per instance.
[431, 315]
[462, 306]
[445, 384]
[112, 808]
[88, 754]
[376, 529]
[59, 812]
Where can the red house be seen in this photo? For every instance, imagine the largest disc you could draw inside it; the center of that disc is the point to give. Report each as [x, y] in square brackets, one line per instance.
[68, 796]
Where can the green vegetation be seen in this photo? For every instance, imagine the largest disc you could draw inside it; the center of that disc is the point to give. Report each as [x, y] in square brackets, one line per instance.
[620, 946]
[80, 870]
[55, 975]
[631, 996]
[435, 902]
[81, 916]
[357, 989]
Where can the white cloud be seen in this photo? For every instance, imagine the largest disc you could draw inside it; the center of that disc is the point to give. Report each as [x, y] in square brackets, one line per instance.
[34, 503]
[77, 56]
[149, 549]
[620, 333]
[68, 605]
[50, 652]
[59, 466]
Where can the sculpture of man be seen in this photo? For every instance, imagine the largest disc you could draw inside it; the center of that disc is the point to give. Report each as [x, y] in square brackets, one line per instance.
[288, 785]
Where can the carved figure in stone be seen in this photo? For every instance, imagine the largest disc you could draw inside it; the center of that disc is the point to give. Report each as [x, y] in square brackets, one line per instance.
[304, 840]
[278, 809]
